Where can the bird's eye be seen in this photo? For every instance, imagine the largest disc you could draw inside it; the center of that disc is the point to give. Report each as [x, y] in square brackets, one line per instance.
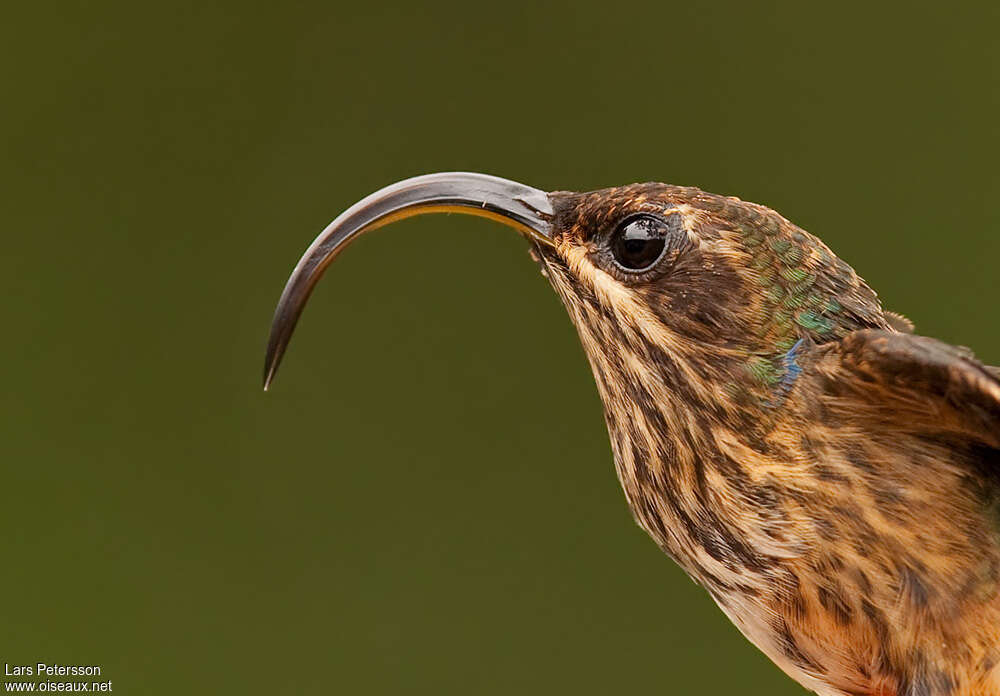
[638, 242]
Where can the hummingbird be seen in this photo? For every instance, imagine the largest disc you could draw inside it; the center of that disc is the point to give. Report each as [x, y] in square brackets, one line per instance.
[829, 476]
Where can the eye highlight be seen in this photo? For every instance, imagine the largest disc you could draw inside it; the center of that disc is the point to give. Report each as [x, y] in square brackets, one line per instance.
[639, 241]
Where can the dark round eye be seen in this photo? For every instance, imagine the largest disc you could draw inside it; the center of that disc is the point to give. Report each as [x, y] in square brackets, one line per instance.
[639, 242]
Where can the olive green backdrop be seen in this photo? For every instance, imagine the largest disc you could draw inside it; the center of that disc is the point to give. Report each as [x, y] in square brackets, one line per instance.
[425, 503]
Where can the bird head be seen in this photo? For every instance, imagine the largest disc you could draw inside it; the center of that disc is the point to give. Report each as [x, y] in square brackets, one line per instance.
[671, 289]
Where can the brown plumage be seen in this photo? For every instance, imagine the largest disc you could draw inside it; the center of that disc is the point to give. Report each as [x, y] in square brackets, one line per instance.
[831, 478]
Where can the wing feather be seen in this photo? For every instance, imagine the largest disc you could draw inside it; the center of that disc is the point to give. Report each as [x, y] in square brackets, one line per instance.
[912, 382]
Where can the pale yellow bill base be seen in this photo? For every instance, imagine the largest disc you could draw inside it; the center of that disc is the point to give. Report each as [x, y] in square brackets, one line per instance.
[522, 207]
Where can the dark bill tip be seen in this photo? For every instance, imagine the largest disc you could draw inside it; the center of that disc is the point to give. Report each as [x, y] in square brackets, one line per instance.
[522, 207]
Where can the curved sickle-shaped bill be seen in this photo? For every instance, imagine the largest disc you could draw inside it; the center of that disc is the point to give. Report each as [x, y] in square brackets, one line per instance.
[522, 207]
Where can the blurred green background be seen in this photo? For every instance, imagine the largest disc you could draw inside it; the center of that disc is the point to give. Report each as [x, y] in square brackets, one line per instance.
[425, 503]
